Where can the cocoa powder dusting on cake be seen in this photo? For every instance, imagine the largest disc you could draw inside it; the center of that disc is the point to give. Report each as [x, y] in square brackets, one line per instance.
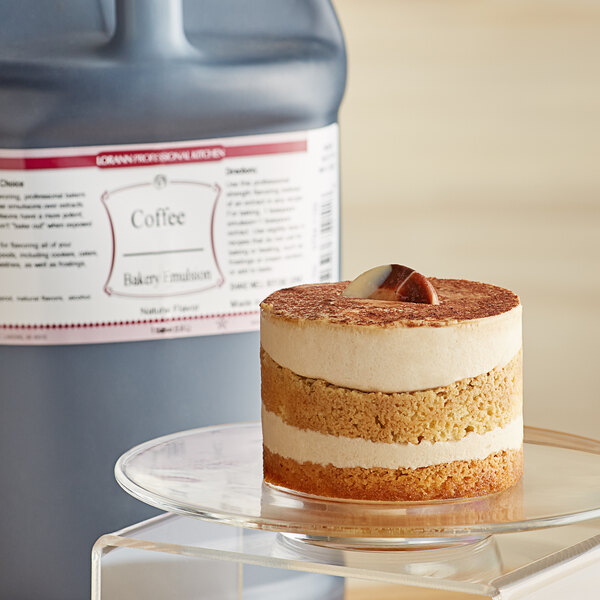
[460, 300]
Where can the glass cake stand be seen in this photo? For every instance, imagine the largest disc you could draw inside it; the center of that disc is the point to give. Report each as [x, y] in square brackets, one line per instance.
[215, 473]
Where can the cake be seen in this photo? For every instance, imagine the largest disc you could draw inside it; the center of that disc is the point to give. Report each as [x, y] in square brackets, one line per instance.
[414, 397]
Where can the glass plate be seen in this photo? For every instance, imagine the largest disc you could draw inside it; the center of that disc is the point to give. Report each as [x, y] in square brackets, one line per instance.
[215, 473]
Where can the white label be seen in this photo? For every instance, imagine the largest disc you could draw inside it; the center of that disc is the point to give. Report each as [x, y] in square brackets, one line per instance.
[151, 241]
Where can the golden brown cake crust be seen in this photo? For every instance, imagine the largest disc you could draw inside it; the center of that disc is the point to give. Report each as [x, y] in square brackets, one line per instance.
[459, 479]
[460, 300]
[476, 404]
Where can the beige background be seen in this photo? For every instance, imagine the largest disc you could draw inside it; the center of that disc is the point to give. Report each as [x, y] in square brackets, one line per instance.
[471, 148]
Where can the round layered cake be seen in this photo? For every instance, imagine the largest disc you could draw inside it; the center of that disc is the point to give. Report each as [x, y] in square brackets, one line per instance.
[392, 400]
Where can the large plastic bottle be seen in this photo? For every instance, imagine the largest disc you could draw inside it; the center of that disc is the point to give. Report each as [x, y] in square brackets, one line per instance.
[163, 166]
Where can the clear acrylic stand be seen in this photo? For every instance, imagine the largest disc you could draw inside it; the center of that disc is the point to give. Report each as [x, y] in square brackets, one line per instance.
[541, 539]
[179, 557]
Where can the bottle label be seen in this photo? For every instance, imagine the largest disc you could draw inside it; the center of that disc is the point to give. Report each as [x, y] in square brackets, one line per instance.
[152, 241]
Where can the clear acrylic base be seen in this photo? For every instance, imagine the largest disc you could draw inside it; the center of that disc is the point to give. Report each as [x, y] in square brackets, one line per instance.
[184, 558]
[253, 541]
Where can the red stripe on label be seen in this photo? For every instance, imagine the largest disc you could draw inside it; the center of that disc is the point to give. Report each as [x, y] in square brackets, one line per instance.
[258, 149]
[163, 156]
[145, 157]
[133, 322]
[128, 331]
[47, 162]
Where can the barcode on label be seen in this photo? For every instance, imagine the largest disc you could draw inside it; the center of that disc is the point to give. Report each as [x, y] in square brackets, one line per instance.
[326, 248]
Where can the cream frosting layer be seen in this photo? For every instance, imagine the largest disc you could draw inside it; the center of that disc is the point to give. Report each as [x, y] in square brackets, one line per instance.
[392, 359]
[303, 445]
